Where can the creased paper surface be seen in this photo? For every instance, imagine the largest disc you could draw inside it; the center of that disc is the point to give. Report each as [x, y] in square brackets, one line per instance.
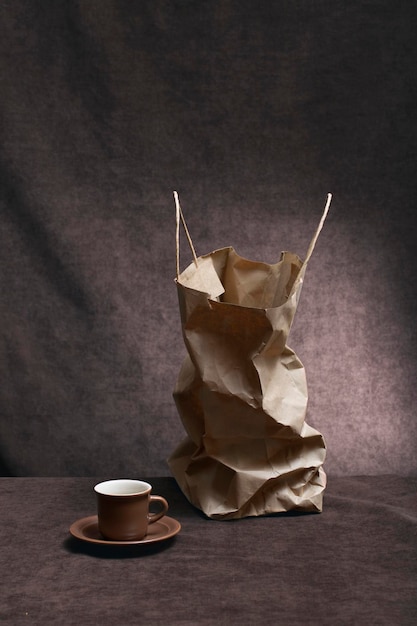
[242, 392]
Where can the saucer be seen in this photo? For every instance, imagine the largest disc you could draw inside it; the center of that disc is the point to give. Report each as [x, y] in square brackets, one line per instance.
[86, 529]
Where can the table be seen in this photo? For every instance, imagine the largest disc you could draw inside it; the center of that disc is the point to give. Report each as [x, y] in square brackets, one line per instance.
[353, 564]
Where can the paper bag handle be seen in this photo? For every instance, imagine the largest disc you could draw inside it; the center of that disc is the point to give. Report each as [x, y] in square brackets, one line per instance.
[319, 227]
[179, 215]
[313, 242]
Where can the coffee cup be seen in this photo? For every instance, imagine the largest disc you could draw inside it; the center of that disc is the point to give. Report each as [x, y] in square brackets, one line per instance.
[123, 508]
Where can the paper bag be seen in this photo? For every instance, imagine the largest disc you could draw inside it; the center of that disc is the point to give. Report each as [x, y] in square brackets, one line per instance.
[241, 392]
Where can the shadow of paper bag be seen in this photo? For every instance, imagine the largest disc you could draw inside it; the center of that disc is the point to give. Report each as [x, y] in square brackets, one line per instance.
[242, 392]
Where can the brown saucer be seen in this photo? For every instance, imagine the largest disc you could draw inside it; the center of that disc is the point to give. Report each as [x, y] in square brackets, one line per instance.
[86, 529]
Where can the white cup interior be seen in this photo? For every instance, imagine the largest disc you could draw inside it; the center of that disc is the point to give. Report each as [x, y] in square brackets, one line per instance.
[122, 487]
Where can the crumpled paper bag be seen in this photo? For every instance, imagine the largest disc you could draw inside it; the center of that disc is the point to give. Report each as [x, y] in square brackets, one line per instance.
[241, 392]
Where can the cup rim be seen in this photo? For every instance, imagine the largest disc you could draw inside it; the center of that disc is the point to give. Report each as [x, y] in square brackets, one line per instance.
[126, 487]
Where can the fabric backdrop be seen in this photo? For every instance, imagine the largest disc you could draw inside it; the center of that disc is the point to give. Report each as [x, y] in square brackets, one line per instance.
[253, 112]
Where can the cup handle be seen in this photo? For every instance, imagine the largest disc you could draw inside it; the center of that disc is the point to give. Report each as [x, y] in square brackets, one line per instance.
[153, 517]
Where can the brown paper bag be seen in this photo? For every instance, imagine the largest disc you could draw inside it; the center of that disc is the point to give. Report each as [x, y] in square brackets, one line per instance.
[242, 392]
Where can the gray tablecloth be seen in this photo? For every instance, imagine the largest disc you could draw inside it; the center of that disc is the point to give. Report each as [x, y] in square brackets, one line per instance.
[353, 564]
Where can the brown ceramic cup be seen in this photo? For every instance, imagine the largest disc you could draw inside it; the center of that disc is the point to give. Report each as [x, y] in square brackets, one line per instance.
[123, 508]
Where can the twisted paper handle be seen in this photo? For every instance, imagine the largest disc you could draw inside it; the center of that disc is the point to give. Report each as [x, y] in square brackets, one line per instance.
[313, 242]
[179, 215]
[320, 226]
